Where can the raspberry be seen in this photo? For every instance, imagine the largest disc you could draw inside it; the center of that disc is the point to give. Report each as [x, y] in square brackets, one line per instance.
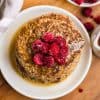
[60, 41]
[64, 51]
[97, 19]
[60, 59]
[38, 59]
[54, 49]
[87, 11]
[45, 48]
[47, 52]
[89, 26]
[90, 1]
[49, 61]
[37, 45]
[48, 37]
[78, 1]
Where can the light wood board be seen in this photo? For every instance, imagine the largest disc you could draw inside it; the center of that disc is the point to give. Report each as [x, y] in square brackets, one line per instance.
[91, 84]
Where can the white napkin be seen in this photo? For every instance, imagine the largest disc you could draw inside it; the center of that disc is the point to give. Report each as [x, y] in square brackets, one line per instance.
[12, 8]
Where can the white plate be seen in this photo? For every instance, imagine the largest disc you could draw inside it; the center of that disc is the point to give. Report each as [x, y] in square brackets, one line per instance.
[85, 4]
[39, 92]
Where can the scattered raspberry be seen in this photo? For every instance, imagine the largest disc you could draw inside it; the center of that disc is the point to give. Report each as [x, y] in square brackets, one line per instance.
[37, 45]
[97, 19]
[49, 61]
[80, 90]
[48, 37]
[92, 16]
[60, 41]
[90, 1]
[38, 59]
[89, 26]
[54, 49]
[78, 1]
[87, 11]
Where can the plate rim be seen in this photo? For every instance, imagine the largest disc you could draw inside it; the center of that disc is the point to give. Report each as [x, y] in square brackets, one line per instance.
[84, 4]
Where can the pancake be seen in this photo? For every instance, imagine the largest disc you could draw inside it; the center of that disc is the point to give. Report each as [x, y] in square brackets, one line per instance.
[59, 25]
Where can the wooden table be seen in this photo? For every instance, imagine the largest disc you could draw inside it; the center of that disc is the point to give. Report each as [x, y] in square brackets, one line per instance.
[90, 87]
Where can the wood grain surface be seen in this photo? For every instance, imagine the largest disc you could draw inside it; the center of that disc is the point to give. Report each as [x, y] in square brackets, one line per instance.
[90, 87]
